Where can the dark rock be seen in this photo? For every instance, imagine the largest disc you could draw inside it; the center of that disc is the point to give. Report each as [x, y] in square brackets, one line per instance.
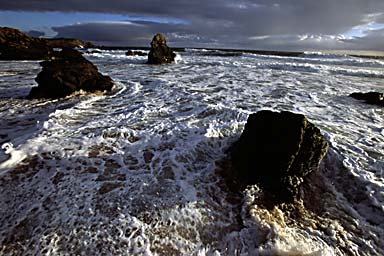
[277, 151]
[160, 53]
[67, 73]
[375, 98]
[15, 45]
[135, 53]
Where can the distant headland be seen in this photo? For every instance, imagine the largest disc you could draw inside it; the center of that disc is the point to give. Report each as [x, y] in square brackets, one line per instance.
[17, 45]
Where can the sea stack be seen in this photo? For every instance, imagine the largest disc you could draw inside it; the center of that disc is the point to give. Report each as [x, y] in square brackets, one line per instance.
[276, 151]
[67, 73]
[160, 53]
[15, 45]
[374, 98]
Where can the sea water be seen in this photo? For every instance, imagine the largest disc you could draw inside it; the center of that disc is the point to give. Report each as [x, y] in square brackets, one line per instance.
[138, 171]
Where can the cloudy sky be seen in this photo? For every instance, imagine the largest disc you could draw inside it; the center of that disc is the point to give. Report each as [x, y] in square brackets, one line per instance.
[249, 24]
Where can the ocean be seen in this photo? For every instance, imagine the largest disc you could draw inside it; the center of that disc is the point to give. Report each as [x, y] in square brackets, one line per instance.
[139, 171]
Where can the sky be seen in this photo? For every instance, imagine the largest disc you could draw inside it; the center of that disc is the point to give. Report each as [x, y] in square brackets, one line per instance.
[292, 25]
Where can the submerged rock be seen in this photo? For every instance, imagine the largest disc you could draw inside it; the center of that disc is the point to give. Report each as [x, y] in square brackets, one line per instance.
[276, 151]
[67, 73]
[160, 53]
[135, 53]
[15, 45]
[375, 98]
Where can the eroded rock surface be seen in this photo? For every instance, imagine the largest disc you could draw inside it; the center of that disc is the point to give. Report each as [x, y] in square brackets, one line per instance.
[67, 73]
[15, 45]
[160, 53]
[374, 98]
[276, 151]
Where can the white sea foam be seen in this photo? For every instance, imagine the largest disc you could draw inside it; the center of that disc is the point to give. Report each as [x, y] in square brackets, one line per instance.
[135, 172]
[178, 58]
[15, 156]
[8, 73]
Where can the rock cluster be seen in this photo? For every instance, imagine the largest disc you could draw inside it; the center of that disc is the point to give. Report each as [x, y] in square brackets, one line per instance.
[160, 53]
[15, 45]
[276, 151]
[67, 73]
[135, 53]
[374, 98]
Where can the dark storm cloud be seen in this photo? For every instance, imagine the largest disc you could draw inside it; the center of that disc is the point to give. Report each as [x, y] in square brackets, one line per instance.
[258, 17]
[134, 33]
[372, 40]
[180, 35]
[225, 22]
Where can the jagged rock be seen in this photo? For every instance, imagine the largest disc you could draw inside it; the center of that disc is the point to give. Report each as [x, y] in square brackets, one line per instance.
[67, 73]
[160, 53]
[276, 151]
[135, 53]
[375, 98]
[68, 43]
[15, 45]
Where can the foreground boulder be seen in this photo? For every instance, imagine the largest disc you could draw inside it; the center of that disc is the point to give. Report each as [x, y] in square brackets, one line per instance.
[276, 151]
[15, 45]
[67, 73]
[375, 98]
[160, 53]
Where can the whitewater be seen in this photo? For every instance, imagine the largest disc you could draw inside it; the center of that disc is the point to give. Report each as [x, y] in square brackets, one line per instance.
[139, 171]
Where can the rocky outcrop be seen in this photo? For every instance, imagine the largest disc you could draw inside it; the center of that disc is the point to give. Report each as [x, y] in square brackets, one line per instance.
[135, 53]
[375, 98]
[15, 45]
[276, 151]
[160, 53]
[67, 73]
[68, 43]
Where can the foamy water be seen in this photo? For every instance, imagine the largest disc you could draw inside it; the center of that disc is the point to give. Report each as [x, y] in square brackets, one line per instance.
[138, 172]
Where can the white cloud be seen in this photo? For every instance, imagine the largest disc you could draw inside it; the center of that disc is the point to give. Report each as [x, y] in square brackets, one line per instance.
[259, 37]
